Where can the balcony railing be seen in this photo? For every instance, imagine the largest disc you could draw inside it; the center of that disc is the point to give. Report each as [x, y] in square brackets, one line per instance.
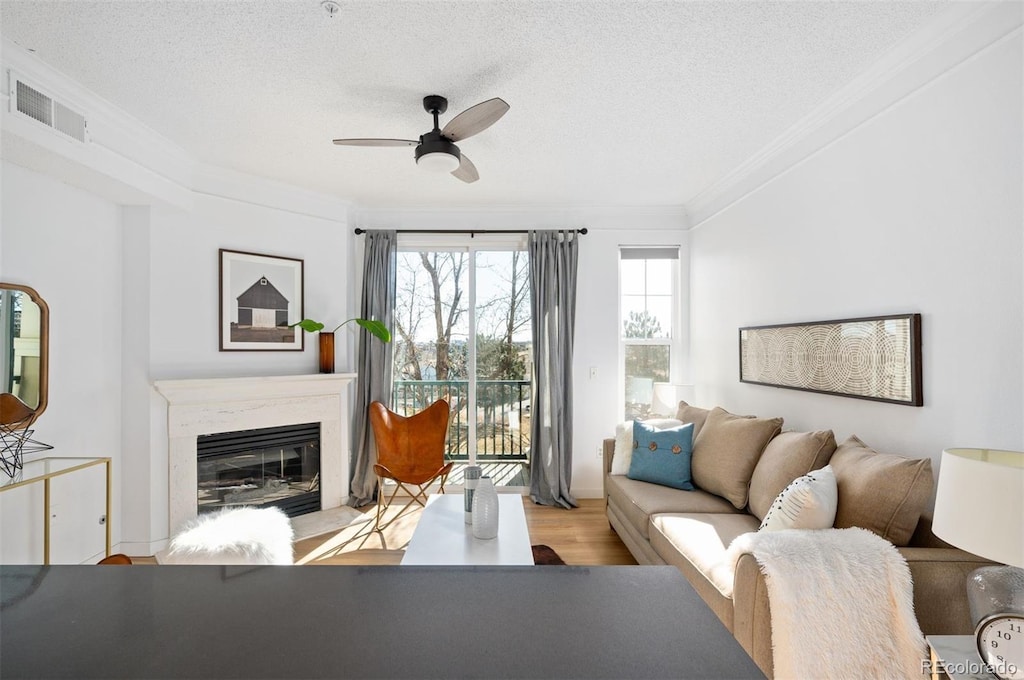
[502, 415]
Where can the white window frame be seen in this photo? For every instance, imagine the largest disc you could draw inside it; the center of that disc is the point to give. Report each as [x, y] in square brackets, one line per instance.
[675, 340]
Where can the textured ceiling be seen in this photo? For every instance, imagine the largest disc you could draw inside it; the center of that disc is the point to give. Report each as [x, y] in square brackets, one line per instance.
[613, 103]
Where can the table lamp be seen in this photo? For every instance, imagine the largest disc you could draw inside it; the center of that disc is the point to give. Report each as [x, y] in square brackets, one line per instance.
[979, 507]
[665, 398]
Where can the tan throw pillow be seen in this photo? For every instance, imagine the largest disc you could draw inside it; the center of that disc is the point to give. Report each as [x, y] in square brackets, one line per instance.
[692, 414]
[726, 452]
[881, 492]
[788, 455]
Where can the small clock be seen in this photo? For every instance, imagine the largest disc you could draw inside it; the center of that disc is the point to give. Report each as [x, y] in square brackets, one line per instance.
[1000, 639]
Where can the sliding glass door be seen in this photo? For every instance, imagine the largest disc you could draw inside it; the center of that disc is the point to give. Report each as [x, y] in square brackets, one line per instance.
[462, 333]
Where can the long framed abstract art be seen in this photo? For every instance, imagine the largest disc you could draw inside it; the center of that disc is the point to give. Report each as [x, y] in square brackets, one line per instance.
[877, 358]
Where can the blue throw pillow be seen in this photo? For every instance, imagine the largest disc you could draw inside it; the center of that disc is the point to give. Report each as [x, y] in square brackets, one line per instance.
[662, 456]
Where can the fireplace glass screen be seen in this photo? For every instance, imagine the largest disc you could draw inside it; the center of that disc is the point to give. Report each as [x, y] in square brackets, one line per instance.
[277, 466]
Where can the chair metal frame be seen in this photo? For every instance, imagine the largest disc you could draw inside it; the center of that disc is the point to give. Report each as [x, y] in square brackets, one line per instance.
[400, 432]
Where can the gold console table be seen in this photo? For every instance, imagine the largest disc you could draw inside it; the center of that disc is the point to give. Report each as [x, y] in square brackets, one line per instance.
[45, 469]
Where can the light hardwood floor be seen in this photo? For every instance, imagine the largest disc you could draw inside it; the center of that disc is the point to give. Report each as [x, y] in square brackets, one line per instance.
[580, 536]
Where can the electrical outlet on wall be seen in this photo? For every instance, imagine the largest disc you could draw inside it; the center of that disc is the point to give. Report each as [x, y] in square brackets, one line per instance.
[600, 451]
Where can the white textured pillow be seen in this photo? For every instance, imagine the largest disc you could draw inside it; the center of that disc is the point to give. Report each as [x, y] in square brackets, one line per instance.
[809, 502]
[624, 441]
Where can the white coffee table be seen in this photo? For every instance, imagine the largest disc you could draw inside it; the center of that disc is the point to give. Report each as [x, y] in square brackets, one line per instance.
[443, 537]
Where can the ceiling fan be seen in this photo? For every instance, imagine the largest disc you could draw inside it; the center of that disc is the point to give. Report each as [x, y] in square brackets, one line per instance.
[436, 149]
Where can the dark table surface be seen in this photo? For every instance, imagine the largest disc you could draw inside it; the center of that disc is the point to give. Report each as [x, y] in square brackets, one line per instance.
[360, 622]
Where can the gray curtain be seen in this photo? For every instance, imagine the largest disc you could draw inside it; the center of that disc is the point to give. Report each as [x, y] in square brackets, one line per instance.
[553, 256]
[380, 264]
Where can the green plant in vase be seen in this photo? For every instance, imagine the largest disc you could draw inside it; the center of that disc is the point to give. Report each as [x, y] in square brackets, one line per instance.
[376, 328]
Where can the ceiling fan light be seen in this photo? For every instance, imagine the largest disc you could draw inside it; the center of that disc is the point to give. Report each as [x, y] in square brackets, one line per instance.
[438, 162]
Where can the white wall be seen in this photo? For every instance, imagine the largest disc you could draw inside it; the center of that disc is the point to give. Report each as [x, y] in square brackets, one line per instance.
[143, 279]
[179, 321]
[597, 404]
[184, 276]
[65, 243]
[917, 210]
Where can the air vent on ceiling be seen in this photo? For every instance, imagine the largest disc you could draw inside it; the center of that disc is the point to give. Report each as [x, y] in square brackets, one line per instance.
[47, 110]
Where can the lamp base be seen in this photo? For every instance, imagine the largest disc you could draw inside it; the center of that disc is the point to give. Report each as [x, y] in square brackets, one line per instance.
[995, 590]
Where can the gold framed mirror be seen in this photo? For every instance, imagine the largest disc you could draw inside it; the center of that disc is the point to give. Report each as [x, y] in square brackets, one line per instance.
[24, 355]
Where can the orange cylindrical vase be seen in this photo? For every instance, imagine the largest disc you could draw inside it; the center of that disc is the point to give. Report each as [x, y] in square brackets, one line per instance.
[326, 352]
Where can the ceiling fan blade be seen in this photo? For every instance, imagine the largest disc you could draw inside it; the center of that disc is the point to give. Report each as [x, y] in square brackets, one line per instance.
[466, 171]
[475, 119]
[375, 142]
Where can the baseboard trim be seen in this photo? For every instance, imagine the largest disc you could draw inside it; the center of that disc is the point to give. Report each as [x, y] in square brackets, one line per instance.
[588, 492]
[140, 548]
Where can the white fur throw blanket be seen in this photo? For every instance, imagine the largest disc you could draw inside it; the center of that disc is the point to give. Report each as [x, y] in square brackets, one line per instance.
[841, 602]
[234, 536]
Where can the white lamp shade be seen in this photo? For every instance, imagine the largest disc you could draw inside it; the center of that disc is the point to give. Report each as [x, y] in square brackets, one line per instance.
[667, 396]
[639, 390]
[438, 161]
[979, 505]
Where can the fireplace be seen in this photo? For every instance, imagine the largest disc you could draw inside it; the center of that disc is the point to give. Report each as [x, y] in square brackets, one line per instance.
[270, 466]
[197, 407]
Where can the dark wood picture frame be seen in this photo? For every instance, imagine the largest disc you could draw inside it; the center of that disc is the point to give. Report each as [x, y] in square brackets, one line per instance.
[876, 358]
[259, 297]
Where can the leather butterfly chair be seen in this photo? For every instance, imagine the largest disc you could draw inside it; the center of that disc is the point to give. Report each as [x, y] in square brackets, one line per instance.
[410, 452]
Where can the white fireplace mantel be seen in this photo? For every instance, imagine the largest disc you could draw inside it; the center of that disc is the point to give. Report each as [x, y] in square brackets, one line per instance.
[210, 405]
[206, 390]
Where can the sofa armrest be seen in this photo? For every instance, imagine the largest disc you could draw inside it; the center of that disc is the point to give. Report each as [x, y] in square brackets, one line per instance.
[940, 588]
[607, 451]
[940, 598]
[752, 622]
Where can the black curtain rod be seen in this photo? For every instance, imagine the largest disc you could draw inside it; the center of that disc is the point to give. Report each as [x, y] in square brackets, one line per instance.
[471, 232]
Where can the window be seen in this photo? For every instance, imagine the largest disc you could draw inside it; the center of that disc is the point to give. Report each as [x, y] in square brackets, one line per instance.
[649, 323]
[462, 333]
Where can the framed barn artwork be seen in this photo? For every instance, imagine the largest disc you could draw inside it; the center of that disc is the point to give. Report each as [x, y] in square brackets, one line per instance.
[260, 297]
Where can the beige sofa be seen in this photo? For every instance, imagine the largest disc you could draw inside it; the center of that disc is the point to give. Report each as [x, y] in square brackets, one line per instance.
[691, 529]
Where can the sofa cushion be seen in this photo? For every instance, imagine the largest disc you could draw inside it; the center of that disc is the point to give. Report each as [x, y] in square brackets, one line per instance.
[624, 441]
[637, 501]
[702, 540]
[808, 503]
[787, 456]
[662, 456]
[881, 492]
[692, 414]
[727, 450]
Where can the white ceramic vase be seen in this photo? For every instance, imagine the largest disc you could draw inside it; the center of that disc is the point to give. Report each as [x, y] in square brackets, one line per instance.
[485, 509]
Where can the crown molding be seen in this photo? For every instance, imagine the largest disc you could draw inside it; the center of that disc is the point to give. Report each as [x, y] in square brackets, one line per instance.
[125, 160]
[217, 182]
[950, 39]
[523, 217]
[111, 131]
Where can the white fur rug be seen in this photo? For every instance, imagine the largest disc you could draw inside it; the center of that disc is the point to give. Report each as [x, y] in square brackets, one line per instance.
[841, 604]
[233, 536]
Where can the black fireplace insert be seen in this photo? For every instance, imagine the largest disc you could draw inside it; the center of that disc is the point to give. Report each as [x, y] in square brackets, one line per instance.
[272, 466]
